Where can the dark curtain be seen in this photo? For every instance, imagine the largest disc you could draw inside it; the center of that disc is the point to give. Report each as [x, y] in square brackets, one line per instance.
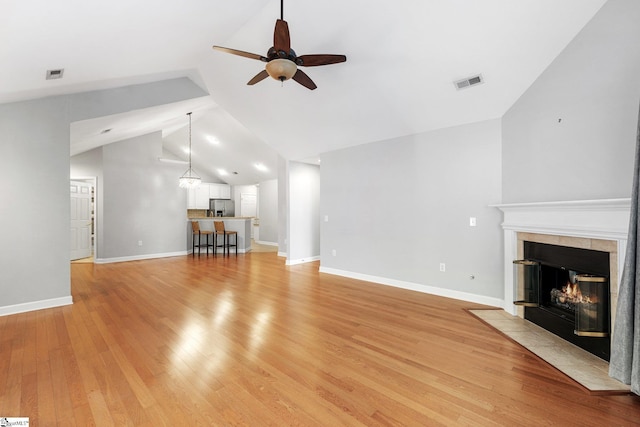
[625, 344]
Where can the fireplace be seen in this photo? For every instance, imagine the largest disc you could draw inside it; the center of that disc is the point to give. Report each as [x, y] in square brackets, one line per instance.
[598, 225]
[566, 291]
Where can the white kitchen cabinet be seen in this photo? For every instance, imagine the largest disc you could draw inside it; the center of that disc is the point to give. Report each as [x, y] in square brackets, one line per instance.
[198, 198]
[202, 196]
[220, 191]
[191, 198]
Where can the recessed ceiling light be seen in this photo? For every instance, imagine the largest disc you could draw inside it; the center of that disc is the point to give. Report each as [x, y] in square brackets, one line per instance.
[261, 167]
[186, 150]
[222, 172]
[106, 131]
[55, 74]
[213, 140]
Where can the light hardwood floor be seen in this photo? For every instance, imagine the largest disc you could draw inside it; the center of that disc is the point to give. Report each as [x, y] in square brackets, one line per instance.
[248, 341]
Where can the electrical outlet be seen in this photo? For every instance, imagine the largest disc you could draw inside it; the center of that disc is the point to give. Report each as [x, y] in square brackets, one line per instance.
[139, 242]
[442, 267]
[326, 218]
[472, 221]
[334, 252]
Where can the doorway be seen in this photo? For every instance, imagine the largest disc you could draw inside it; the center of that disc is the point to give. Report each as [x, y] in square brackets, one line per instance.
[82, 215]
[249, 209]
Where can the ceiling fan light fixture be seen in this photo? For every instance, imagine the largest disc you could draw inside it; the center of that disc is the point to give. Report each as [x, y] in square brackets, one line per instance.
[281, 69]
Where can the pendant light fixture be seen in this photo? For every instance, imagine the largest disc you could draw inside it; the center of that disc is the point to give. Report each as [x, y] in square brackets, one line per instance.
[190, 178]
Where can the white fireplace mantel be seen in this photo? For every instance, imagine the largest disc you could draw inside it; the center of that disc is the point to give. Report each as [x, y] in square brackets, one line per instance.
[606, 219]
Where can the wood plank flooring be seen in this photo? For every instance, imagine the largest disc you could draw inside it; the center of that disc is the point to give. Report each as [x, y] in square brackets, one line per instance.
[248, 341]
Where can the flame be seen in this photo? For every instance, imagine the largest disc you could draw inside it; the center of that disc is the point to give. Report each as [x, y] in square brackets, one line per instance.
[571, 293]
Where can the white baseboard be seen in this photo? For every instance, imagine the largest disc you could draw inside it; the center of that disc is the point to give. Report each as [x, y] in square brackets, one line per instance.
[282, 254]
[139, 257]
[35, 305]
[302, 260]
[262, 242]
[432, 290]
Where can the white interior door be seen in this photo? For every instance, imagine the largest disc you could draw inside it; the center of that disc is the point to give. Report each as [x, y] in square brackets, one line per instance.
[248, 208]
[80, 220]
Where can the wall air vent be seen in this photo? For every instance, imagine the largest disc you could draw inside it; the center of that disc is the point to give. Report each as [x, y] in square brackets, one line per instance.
[468, 82]
[55, 74]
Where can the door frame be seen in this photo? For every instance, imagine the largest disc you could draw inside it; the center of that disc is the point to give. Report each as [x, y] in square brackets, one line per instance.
[93, 180]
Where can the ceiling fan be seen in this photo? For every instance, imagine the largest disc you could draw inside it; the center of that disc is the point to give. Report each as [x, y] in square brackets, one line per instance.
[282, 62]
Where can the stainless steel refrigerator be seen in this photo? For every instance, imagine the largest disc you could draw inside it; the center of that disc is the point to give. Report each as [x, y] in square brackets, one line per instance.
[221, 207]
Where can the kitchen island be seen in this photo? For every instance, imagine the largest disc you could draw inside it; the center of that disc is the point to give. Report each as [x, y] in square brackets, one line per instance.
[241, 225]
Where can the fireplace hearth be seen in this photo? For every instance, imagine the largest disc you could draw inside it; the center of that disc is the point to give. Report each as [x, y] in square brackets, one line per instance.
[565, 290]
[601, 225]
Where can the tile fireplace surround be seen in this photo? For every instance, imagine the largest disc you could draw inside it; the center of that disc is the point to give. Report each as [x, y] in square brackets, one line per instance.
[591, 224]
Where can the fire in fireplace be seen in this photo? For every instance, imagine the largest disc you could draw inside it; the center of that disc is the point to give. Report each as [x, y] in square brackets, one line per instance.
[569, 295]
[565, 290]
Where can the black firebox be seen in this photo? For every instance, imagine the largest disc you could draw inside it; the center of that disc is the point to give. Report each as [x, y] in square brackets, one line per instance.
[566, 291]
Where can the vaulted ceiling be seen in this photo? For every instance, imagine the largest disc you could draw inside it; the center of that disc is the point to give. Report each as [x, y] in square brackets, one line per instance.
[403, 57]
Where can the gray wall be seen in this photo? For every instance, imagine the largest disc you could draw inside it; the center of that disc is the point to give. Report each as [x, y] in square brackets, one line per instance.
[34, 202]
[268, 211]
[283, 206]
[138, 199]
[571, 136]
[397, 209]
[304, 215]
[34, 146]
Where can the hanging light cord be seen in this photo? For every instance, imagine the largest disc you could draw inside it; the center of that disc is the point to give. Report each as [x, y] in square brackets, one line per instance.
[190, 169]
[189, 179]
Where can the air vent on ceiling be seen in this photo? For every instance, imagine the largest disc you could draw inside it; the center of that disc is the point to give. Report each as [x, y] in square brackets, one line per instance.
[55, 74]
[468, 82]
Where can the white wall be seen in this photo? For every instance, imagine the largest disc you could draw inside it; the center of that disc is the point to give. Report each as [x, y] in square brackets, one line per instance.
[304, 215]
[236, 195]
[399, 208]
[268, 211]
[571, 136]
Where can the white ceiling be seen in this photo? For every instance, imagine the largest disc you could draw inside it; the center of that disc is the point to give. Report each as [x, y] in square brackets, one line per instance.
[402, 59]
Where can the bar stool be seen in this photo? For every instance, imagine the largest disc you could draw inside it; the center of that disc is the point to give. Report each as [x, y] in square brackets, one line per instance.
[195, 231]
[226, 241]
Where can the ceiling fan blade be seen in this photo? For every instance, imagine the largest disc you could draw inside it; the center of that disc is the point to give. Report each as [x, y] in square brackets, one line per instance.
[315, 60]
[259, 77]
[281, 40]
[302, 78]
[241, 53]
